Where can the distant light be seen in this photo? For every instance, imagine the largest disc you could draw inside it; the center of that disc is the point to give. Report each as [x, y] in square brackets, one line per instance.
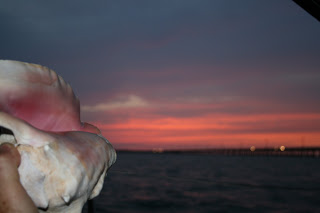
[282, 148]
[157, 150]
[252, 149]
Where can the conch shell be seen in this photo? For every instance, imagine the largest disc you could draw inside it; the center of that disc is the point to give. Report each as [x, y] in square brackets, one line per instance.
[63, 161]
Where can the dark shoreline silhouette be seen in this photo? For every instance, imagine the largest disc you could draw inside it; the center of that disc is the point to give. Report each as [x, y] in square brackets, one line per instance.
[294, 151]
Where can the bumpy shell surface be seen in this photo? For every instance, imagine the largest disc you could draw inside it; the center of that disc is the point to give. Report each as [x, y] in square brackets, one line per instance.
[63, 161]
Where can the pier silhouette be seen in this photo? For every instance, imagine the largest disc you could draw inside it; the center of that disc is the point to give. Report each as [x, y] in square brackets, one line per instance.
[250, 151]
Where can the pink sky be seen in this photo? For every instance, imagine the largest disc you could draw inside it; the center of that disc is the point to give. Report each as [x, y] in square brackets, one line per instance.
[135, 123]
[188, 74]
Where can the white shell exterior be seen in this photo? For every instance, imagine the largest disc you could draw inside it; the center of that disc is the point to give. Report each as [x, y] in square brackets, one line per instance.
[63, 164]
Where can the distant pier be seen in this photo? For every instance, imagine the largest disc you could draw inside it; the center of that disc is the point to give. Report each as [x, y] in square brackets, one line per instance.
[251, 151]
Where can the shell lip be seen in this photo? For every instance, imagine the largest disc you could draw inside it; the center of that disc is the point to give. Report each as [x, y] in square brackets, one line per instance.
[7, 136]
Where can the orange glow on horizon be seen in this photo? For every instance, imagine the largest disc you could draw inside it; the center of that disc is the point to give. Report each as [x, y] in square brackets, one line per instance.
[210, 131]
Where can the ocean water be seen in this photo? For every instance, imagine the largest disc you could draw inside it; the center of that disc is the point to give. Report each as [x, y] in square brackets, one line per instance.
[146, 182]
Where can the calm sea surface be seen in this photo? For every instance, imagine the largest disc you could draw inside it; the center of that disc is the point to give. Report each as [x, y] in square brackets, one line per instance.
[143, 182]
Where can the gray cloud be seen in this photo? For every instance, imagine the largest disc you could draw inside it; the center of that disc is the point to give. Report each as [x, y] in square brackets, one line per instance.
[164, 50]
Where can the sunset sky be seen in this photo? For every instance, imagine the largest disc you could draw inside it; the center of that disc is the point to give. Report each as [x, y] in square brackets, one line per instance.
[179, 74]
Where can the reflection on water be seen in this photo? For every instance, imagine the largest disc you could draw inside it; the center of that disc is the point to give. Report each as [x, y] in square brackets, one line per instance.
[143, 182]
